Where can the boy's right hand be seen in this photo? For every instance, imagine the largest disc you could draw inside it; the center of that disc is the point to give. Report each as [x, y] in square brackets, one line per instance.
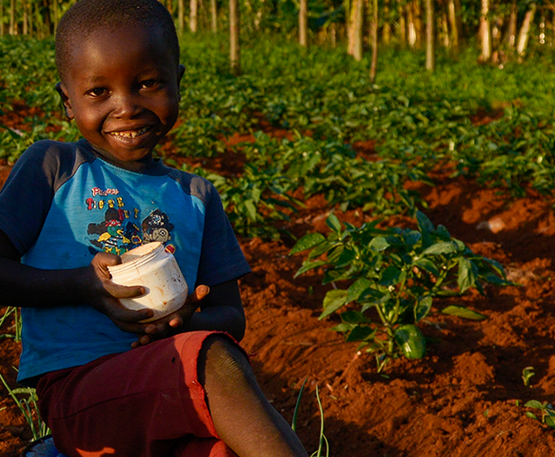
[103, 294]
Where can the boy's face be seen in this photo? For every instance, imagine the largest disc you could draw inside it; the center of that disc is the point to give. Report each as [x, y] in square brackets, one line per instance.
[122, 89]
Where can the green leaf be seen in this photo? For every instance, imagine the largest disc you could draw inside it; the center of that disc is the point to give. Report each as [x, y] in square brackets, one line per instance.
[307, 266]
[377, 302]
[412, 237]
[497, 281]
[379, 244]
[422, 307]
[392, 276]
[333, 300]
[307, 242]
[395, 240]
[360, 333]
[357, 288]
[426, 227]
[424, 222]
[343, 327]
[534, 404]
[550, 421]
[353, 317]
[531, 415]
[251, 209]
[323, 247]
[496, 266]
[23, 390]
[333, 223]
[346, 258]
[428, 265]
[444, 247]
[411, 341]
[465, 313]
[442, 232]
[468, 272]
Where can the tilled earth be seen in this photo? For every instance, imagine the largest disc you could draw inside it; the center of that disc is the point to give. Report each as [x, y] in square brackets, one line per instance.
[465, 398]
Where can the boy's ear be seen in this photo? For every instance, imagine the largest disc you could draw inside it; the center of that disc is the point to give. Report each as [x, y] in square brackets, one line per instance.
[60, 88]
[181, 72]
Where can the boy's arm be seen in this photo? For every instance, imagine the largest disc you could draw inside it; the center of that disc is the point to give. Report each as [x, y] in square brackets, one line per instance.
[221, 309]
[25, 286]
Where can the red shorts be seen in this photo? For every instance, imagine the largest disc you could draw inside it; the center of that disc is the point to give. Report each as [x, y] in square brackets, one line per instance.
[146, 402]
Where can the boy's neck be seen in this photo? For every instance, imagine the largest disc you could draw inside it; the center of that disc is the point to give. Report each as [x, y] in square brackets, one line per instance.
[147, 164]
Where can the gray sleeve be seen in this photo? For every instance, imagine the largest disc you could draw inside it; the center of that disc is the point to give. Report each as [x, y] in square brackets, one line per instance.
[27, 194]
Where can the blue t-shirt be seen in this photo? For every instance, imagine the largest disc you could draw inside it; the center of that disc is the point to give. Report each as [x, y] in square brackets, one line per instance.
[65, 202]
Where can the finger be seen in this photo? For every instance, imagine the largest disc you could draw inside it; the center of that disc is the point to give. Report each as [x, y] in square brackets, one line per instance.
[132, 316]
[176, 322]
[145, 339]
[150, 329]
[106, 258]
[119, 291]
[142, 340]
[158, 331]
[199, 293]
[137, 329]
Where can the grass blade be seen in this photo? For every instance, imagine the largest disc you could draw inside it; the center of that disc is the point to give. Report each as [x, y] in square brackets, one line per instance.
[294, 421]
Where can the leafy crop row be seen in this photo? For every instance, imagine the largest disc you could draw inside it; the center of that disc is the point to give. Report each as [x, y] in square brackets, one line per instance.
[275, 169]
[322, 92]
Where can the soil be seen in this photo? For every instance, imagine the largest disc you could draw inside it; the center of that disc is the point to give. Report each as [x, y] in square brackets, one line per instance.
[465, 398]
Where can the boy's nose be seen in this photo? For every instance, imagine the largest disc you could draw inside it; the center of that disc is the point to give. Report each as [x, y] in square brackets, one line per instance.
[125, 106]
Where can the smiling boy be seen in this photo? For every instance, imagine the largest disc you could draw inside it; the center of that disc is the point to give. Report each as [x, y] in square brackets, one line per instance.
[109, 384]
[123, 98]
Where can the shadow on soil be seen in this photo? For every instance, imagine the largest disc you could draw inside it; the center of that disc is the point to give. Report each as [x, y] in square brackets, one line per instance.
[284, 399]
[524, 232]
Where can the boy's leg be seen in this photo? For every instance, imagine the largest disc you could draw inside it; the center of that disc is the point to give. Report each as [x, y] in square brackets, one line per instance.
[241, 414]
[149, 401]
[145, 402]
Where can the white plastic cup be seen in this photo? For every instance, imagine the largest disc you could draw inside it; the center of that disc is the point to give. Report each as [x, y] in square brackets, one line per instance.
[157, 271]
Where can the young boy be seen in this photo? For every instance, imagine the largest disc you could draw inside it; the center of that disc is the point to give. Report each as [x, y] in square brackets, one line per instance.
[109, 384]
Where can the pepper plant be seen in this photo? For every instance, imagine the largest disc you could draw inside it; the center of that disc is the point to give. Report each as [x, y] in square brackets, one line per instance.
[390, 278]
[545, 409]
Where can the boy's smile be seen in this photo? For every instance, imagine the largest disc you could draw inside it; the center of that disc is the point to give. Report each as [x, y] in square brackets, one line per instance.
[122, 89]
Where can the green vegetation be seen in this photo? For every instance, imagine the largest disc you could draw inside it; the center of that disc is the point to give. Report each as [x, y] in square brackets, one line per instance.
[393, 276]
[527, 373]
[412, 124]
[546, 411]
[26, 400]
[417, 123]
[323, 441]
[9, 311]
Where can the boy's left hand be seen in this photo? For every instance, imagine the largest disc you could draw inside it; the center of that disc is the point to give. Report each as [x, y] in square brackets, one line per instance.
[174, 322]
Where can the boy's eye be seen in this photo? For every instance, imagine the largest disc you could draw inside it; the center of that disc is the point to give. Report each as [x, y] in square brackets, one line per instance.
[97, 92]
[147, 84]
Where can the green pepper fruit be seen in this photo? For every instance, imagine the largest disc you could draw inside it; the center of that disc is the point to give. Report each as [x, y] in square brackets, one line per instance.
[411, 341]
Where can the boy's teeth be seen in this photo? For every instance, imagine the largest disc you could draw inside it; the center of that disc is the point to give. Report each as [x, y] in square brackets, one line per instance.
[131, 133]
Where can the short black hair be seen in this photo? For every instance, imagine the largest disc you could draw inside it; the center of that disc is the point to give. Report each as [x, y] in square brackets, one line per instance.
[87, 16]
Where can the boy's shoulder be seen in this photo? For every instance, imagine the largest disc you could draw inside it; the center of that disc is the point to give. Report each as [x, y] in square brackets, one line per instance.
[53, 147]
[192, 183]
[52, 159]
[50, 152]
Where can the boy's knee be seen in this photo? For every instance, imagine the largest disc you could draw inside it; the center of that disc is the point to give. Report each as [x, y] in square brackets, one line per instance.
[222, 360]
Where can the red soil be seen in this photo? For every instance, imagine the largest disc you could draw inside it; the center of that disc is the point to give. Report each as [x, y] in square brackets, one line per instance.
[465, 398]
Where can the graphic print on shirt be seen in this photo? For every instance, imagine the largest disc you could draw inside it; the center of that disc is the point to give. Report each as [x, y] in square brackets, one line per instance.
[121, 228]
